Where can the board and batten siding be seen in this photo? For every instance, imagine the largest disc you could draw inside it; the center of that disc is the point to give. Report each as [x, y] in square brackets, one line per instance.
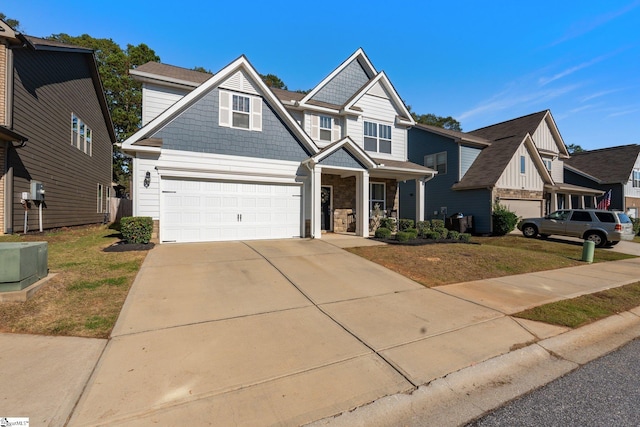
[156, 99]
[48, 87]
[629, 189]
[512, 178]
[380, 110]
[557, 171]
[468, 155]
[543, 138]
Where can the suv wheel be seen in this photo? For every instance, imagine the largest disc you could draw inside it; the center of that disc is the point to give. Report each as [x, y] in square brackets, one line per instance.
[597, 238]
[529, 230]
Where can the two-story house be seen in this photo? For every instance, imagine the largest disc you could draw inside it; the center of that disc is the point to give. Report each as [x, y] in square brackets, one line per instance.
[614, 168]
[224, 157]
[517, 163]
[56, 135]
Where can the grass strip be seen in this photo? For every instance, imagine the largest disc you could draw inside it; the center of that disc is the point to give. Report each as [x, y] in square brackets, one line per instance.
[585, 309]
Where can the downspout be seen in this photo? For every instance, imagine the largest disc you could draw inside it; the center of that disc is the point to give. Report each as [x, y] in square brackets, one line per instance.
[313, 199]
[8, 194]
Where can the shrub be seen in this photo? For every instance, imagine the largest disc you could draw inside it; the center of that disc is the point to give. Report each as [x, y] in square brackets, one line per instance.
[443, 232]
[504, 221]
[404, 224]
[453, 235]
[136, 229]
[636, 225]
[404, 236]
[431, 234]
[389, 223]
[412, 231]
[383, 233]
[437, 223]
[465, 237]
[423, 227]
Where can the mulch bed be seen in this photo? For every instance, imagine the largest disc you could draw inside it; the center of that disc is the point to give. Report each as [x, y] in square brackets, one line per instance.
[123, 246]
[420, 242]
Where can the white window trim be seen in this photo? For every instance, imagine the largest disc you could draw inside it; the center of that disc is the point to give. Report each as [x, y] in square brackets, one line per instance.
[99, 198]
[324, 128]
[378, 138]
[372, 202]
[225, 110]
[83, 141]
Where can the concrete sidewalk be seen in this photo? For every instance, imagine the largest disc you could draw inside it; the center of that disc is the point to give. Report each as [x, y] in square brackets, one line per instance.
[292, 331]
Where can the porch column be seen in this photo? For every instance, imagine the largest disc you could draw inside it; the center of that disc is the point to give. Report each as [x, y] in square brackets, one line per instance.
[554, 202]
[567, 197]
[362, 204]
[419, 200]
[581, 202]
[316, 204]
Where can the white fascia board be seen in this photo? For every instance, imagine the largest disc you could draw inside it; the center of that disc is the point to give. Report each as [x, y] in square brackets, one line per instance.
[384, 80]
[357, 54]
[562, 148]
[161, 80]
[350, 146]
[537, 159]
[139, 149]
[316, 108]
[214, 81]
[581, 173]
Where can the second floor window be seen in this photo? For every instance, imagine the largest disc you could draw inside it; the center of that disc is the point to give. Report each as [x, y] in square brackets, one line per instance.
[377, 137]
[241, 108]
[437, 162]
[325, 128]
[636, 179]
[81, 135]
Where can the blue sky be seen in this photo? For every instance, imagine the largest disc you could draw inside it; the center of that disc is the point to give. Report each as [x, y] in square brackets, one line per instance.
[480, 62]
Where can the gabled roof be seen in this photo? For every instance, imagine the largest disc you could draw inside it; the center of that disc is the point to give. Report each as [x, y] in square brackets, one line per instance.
[240, 64]
[348, 144]
[607, 165]
[514, 127]
[456, 135]
[359, 56]
[157, 71]
[492, 161]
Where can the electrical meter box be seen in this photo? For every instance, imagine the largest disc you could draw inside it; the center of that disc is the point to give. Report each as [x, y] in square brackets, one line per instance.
[37, 190]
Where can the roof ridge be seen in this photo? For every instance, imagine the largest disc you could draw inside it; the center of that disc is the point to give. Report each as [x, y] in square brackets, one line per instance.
[510, 120]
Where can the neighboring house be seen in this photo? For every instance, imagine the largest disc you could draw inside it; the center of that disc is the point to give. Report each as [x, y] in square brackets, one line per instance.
[224, 157]
[55, 130]
[518, 163]
[615, 168]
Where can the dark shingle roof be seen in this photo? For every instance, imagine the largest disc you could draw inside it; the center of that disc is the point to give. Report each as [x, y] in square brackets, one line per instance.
[174, 72]
[608, 165]
[515, 127]
[490, 164]
[465, 136]
[287, 95]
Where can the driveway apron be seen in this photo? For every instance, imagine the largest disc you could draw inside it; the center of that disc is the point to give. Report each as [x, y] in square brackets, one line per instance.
[277, 333]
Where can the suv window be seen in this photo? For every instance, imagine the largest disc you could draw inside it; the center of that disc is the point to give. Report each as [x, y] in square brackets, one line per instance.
[559, 215]
[581, 216]
[606, 216]
[624, 219]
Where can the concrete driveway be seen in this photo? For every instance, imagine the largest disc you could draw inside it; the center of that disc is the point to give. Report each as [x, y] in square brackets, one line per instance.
[278, 333]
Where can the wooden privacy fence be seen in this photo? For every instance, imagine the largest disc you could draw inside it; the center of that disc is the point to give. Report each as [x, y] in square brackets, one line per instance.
[119, 208]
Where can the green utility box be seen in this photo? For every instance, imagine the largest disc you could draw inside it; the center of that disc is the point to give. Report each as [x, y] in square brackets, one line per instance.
[22, 264]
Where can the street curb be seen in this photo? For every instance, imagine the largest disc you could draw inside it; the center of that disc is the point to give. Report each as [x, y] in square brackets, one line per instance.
[464, 395]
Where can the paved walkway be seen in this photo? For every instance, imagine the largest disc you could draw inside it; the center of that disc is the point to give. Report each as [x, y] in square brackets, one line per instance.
[292, 331]
[288, 332]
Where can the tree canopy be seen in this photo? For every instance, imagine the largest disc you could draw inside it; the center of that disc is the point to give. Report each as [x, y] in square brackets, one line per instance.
[574, 148]
[13, 23]
[439, 121]
[273, 81]
[123, 94]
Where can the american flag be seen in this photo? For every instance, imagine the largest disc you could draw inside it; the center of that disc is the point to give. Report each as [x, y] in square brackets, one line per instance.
[605, 202]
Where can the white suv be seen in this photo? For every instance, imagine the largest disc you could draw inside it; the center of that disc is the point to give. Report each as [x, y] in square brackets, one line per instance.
[600, 226]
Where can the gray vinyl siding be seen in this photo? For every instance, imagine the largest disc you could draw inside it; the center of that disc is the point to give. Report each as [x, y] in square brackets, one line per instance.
[343, 85]
[342, 158]
[49, 86]
[438, 192]
[197, 129]
[617, 190]
[468, 155]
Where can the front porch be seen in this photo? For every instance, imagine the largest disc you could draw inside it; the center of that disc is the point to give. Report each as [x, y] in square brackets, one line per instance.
[568, 196]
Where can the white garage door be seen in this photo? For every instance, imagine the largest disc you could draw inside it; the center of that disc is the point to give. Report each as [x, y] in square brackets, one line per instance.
[524, 208]
[205, 211]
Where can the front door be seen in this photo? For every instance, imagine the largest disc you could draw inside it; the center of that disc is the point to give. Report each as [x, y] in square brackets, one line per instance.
[325, 198]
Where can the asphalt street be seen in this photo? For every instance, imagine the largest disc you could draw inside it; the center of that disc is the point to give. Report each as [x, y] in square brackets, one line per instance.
[604, 392]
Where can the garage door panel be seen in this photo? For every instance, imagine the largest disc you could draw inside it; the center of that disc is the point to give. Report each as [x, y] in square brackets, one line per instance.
[195, 211]
[524, 208]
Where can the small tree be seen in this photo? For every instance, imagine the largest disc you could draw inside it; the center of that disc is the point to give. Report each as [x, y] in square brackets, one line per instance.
[504, 221]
